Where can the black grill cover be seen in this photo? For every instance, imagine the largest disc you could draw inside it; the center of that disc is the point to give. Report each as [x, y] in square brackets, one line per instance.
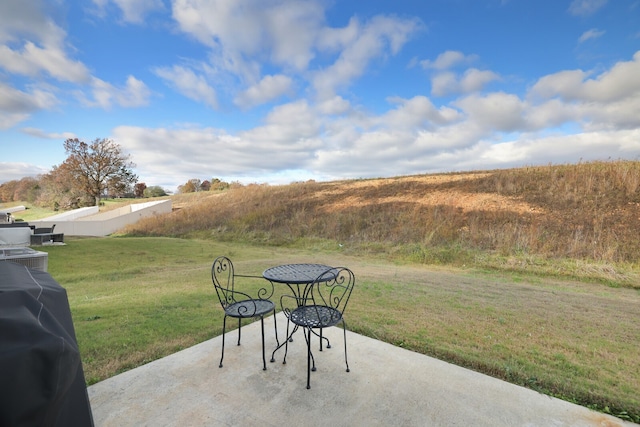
[41, 378]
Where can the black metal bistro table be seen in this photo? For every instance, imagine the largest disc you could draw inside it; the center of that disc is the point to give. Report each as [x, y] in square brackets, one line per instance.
[297, 277]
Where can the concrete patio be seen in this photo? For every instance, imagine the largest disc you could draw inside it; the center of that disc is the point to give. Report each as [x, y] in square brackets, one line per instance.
[387, 386]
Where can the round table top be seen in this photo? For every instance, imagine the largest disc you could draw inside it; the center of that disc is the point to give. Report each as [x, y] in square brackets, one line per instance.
[296, 273]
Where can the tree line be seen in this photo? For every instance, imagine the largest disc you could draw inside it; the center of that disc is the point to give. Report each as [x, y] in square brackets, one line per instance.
[91, 172]
[194, 185]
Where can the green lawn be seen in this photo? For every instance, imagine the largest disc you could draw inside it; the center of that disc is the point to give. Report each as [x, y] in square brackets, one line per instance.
[134, 300]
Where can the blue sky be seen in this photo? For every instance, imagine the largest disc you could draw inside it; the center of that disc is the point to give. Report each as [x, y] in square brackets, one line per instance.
[275, 91]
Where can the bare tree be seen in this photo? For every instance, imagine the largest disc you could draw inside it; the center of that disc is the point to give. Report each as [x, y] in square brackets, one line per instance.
[99, 166]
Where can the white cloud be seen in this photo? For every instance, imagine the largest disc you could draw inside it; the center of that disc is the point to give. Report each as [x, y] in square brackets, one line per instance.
[449, 151]
[268, 89]
[39, 133]
[12, 99]
[593, 33]
[105, 95]
[31, 44]
[282, 32]
[327, 135]
[447, 60]
[369, 41]
[620, 82]
[619, 114]
[26, 19]
[133, 11]
[334, 140]
[335, 39]
[136, 10]
[188, 83]
[567, 84]
[293, 28]
[34, 46]
[565, 148]
[585, 7]
[288, 36]
[296, 140]
[475, 80]
[33, 60]
[500, 112]
[288, 140]
[550, 114]
[9, 119]
[445, 82]
[17, 106]
[416, 113]
[134, 94]
[295, 125]
[156, 151]
[334, 106]
[472, 80]
[256, 153]
[459, 135]
[16, 171]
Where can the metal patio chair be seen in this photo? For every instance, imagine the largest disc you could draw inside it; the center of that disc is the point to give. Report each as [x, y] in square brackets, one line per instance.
[248, 303]
[323, 305]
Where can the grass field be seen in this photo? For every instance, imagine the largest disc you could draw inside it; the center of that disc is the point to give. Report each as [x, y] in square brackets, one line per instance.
[573, 221]
[531, 275]
[134, 300]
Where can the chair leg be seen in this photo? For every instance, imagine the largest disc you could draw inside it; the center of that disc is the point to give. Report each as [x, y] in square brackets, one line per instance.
[309, 359]
[264, 360]
[239, 329]
[224, 327]
[286, 344]
[275, 328]
[308, 340]
[344, 330]
[324, 338]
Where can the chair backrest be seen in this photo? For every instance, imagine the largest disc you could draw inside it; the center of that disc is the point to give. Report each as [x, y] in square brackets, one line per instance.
[224, 281]
[44, 230]
[332, 289]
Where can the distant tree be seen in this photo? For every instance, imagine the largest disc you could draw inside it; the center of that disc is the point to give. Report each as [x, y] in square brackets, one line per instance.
[119, 188]
[138, 189]
[61, 189]
[205, 186]
[186, 188]
[216, 184]
[99, 167]
[195, 183]
[6, 191]
[154, 191]
[190, 186]
[25, 190]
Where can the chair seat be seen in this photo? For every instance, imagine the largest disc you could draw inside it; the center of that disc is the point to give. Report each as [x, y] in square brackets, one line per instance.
[315, 316]
[250, 308]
